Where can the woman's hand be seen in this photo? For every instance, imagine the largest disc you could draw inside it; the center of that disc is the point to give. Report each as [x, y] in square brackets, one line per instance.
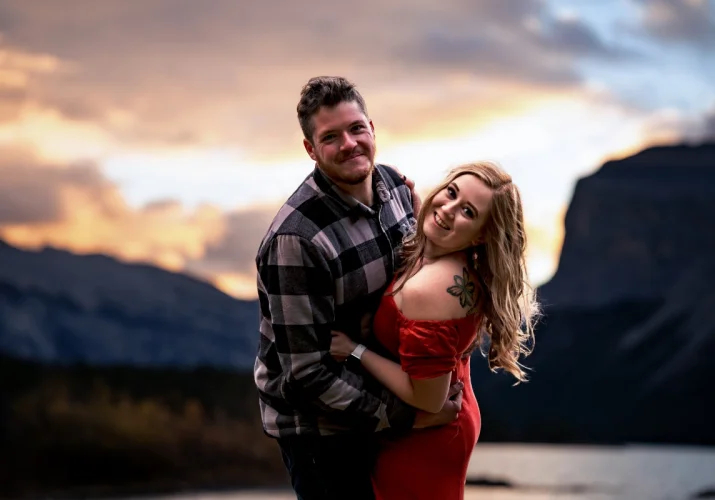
[341, 346]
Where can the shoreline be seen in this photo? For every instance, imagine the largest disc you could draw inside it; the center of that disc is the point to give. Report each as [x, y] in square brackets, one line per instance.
[486, 474]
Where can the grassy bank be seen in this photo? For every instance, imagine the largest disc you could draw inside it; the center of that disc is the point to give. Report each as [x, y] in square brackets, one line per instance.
[103, 431]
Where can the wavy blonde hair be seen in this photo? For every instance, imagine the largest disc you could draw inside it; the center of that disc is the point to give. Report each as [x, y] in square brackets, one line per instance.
[506, 304]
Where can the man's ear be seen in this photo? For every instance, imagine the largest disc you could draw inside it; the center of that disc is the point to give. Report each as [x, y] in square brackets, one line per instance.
[309, 149]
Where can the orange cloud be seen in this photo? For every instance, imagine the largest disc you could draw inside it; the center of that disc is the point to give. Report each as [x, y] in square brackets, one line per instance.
[75, 207]
[544, 248]
[242, 286]
[17, 66]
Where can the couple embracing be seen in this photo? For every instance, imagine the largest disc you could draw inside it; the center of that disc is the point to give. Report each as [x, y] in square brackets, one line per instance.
[372, 302]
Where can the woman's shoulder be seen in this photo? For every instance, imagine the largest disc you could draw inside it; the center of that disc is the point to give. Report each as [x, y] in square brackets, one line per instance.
[442, 290]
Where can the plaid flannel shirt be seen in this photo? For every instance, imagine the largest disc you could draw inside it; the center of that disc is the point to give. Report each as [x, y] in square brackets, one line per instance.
[324, 264]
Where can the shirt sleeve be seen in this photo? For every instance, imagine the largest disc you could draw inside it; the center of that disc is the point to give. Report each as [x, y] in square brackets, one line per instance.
[298, 301]
[428, 349]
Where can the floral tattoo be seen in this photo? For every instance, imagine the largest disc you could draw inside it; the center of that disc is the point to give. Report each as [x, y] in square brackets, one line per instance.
[464, 289]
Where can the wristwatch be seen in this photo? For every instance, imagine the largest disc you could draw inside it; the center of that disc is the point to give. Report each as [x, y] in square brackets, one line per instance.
[357, 352]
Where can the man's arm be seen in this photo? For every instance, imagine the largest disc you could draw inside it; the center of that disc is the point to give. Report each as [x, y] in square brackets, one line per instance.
[297, 299]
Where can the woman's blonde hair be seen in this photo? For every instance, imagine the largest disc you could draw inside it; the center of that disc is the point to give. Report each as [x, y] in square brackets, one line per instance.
[507, 308]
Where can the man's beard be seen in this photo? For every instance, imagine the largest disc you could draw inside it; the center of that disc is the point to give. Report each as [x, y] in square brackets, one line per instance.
[344, 178]
[361, 178]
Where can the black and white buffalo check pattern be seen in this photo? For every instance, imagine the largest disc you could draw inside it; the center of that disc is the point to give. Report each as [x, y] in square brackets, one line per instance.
[324, 264]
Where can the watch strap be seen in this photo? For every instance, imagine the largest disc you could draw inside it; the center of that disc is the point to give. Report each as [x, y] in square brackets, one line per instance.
[357, 352]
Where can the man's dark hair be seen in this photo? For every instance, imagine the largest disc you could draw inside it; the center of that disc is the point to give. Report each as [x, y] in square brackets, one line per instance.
[326, 91]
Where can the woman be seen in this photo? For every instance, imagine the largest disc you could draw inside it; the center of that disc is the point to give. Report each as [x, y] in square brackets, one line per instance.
[462, 284]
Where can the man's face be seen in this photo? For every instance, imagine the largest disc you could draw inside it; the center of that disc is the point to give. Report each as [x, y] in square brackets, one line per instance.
[343, 143]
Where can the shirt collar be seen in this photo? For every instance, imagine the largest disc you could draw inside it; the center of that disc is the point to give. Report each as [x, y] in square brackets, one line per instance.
[354, 208]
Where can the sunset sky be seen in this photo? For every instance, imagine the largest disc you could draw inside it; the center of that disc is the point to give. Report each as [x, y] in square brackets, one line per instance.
[165, 131]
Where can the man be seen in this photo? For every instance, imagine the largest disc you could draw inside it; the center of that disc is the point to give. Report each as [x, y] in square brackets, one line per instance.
[324, 265]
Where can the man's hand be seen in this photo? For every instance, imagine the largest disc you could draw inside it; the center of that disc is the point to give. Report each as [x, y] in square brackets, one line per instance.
[449, 412]
[341, 346]
[416, 200]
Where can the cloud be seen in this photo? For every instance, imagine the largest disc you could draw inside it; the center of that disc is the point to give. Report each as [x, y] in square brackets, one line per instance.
[28, 195]
[671, 126]
[73, 206]
[235, 251]
[679, 20]
[526, 45]
[19, 69]
[17, 66]
[76, 207]
[28, 122]
[571, 35]
[167, 72]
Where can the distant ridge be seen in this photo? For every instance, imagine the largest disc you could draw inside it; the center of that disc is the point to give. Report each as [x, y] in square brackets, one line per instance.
[61, 307]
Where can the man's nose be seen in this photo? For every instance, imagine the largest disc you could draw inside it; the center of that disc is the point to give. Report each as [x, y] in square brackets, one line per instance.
[348, 141]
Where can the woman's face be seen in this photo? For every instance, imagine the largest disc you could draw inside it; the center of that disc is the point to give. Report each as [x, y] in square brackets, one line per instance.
[454, 219]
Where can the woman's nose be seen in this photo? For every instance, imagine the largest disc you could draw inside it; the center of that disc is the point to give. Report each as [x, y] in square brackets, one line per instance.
[449, 208]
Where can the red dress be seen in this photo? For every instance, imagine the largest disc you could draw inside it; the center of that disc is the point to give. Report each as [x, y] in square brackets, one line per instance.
[429, 464]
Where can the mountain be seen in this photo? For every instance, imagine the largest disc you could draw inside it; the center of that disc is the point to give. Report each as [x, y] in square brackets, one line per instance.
[624, 348]
[56, 306]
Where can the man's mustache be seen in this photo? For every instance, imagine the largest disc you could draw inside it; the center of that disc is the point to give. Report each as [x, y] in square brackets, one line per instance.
[354, 152]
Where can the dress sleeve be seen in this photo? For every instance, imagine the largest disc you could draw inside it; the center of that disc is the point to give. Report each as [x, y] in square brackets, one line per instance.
[428, 349]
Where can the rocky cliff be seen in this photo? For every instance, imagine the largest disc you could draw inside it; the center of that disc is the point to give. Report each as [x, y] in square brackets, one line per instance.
[635, 226]
[624, 350]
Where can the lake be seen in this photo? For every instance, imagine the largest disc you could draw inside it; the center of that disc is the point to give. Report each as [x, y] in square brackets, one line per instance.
[540, 472]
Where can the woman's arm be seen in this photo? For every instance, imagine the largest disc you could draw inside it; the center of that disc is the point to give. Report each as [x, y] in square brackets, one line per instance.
[427, 295]
[426, 394]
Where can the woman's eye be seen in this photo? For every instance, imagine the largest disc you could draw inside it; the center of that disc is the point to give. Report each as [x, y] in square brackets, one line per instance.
[468, 212]
[451, 192]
